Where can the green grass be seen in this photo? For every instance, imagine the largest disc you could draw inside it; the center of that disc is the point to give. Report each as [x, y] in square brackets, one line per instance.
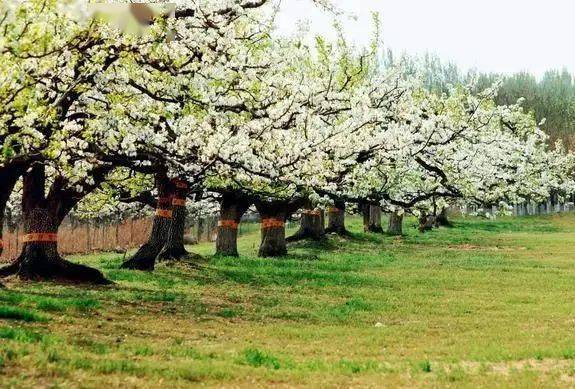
[16, 313]
[486, 303]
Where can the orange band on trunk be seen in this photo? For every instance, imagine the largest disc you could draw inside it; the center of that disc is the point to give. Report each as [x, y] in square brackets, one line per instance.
[165, 213]
[179, 202]
[272, 223]
[334, 210]
[231, 224]
[42, 237]
[313, 212]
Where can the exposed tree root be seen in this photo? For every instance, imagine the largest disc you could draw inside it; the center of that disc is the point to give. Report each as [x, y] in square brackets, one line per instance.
[302, 235]
[36, 266]
[144, 259]
[338, 231]
[177, 254]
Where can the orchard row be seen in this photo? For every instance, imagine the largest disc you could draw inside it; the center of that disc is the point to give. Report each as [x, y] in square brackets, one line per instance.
[209, 101]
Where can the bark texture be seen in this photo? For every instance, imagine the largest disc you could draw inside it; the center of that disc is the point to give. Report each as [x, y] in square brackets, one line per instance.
[395, 226]
[145, 257]
[311, 225]
[426, 222]
[442, 218]
[273, 215]
[372, 218]
[43, 215]
[233, 206]
[174, 248]
[336, 219]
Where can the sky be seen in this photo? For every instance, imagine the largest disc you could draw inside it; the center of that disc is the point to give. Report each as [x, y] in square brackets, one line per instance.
[503, 36]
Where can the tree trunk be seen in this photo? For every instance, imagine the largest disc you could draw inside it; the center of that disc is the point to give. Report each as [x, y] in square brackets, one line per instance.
[273, 216]
[145, 257]
[336, 219]
[395, 224]
[442, 219]
[311, 225]
[232, 207]
[39, 259]
[426, 222]
[174, 248]
[364, 208]
[9, 176]
[372, 218]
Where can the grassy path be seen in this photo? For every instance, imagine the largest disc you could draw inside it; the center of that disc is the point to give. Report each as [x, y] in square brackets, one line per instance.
[486, 303]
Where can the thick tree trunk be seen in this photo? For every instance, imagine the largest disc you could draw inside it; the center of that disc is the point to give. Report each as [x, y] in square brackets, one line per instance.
[442, 219]
[273, 216]
[372, 218]
[39, 259]
[232, 207]
[395, 224]
[145, 257]
[311, 225]
[336, 219]
[174, 248]
[426, 222]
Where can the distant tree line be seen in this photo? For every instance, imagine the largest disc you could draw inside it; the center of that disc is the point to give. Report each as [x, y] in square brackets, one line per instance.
[552, 97]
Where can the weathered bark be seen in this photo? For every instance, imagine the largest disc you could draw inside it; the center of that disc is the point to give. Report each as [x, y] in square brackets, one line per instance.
[372, 218]
[442, 219]
[273, 215]
[311, 225]
[395, 224]
[233, 206]
[336, 219]
[43, 215]
[426, 222]
[145, 257]
[174, 248]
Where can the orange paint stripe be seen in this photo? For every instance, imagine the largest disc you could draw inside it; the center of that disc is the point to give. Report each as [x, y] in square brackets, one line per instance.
[42, 237]
[179, 202]
[272, 223]
[165, 213]
[334, 210]
[313, 212]
[231, 224]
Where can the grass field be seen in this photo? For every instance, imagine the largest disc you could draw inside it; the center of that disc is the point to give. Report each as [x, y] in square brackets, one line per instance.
[487, 303]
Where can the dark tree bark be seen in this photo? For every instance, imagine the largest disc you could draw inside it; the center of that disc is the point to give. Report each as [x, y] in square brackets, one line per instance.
[311, 225]
[9, 176]
[442, 219]
[371, 218]
[273, 242]
[174, 248]
[274, 215]
[145, 257]
[426, 222]
[336, 219]
[43, 215]
[233, 206]
[395, 224]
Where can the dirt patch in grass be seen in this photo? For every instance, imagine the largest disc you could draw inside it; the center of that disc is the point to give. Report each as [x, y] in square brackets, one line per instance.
[474, 247]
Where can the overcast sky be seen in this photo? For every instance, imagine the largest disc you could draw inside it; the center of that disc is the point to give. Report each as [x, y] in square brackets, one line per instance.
[490, 35]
